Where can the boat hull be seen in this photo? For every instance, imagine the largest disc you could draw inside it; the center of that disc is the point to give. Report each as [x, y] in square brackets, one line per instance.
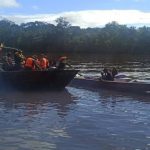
[53, 79]
[117, 85]
[121, 85]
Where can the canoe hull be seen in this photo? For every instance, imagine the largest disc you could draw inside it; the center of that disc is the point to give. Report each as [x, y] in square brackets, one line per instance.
[53, 79]
[135, 87]
[117, 85]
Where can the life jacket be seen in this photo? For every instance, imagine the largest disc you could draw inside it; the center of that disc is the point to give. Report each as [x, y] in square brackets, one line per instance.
[43, 63]
[29, 63]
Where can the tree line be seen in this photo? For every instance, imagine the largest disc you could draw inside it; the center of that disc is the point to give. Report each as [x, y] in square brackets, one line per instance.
[63, 37]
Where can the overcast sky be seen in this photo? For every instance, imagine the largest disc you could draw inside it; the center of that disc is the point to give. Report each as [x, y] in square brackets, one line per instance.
[83, 13]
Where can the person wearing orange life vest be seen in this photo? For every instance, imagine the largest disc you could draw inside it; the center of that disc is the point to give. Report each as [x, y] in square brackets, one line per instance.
[31, 64]
[44, 62]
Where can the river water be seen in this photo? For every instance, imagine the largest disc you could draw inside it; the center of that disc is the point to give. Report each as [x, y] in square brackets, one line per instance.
[79, 118]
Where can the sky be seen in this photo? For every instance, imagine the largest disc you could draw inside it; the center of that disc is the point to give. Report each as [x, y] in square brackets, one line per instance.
[83, 13]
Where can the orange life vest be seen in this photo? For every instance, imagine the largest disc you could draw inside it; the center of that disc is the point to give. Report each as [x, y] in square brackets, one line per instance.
[29, 63]
[44, 63]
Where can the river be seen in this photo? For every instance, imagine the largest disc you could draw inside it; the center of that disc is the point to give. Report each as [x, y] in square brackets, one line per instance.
[79, 118]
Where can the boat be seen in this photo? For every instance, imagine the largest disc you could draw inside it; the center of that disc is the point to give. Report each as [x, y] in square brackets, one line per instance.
[126, 86]
[117, 85]
[52, 79]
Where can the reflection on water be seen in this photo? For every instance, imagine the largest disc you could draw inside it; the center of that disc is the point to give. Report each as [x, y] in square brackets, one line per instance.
[35, 102]
[28, 120]
[74, 118]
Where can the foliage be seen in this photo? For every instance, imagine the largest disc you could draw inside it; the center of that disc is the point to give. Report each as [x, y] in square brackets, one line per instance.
[44, 37]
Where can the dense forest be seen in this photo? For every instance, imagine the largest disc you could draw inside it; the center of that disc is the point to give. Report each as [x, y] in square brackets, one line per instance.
[63, 37]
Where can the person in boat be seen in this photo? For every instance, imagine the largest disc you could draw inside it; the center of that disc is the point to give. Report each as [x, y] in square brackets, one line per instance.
[106, 75]
[61, 63]
[36, 63]
[7, 62]
[53, 63]
[44, 62]
[19, 59]
[114, 72]
[32, 64]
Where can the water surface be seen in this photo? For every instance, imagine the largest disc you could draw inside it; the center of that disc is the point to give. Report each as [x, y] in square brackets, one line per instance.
[77, 118]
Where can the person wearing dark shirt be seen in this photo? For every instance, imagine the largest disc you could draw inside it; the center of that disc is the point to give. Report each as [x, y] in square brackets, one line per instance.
[107, 75]
[19, 59]
[62, 62]
[114, 72]
[7, 62]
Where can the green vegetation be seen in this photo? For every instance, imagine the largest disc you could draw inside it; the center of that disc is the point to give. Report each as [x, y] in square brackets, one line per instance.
[44, 37]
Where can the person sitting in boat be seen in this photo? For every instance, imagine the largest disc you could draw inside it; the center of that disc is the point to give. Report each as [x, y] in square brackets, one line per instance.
[107, 75]
[61, 63]
[53, 63]
[36, 62]
[19, 59]
[31, 64]
[44, 62]
[114, 72]
[7, 62]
